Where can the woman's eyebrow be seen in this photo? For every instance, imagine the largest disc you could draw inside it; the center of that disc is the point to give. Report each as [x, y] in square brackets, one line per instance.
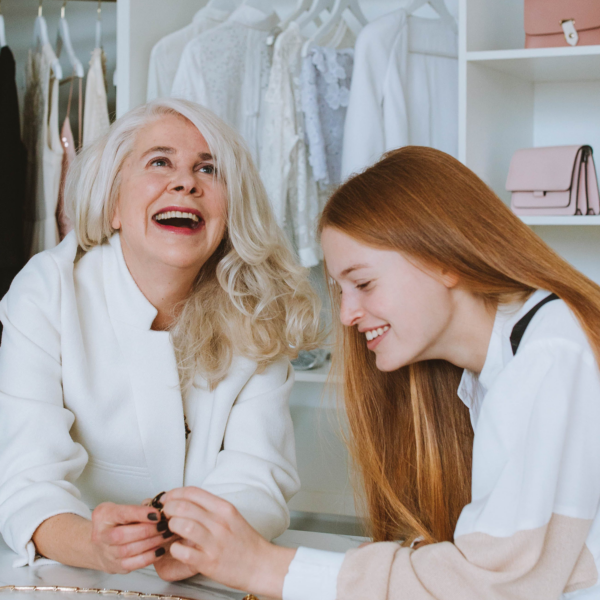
[349, 270]
[161, 149]
[169, 150]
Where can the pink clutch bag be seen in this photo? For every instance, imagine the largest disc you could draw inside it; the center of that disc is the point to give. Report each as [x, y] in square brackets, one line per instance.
[551, 23]
[558, 180]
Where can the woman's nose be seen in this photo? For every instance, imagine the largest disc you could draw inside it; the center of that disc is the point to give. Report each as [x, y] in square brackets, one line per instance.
[350, 312]
[185, 183]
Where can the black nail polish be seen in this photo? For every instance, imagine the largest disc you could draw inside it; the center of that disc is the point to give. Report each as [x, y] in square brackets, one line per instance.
[153, 516]
[167, 534]
[160, 552]
[162, 526]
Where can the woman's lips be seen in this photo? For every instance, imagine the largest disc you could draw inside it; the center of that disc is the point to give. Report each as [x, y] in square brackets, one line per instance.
[371, 345]
[180, 230]
[179, 219]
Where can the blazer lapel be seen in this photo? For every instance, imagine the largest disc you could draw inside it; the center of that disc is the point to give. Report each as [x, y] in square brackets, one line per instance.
[150, 362]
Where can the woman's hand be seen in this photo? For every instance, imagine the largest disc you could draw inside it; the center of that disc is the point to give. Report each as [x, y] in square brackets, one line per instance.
[126, 538]
[222, 545]
[170, 569]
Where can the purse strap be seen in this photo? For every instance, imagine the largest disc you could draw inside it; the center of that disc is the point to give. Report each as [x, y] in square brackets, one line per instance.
[519, 329]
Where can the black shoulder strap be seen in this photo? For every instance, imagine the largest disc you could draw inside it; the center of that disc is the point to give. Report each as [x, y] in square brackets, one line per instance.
[519, 329]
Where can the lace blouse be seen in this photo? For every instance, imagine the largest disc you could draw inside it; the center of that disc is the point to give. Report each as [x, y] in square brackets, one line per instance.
[166, 54]
[227, 70]
[326, 77]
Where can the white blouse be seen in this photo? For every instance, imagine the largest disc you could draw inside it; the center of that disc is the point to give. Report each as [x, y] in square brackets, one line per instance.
[166, 54]
[533, 524]
[227, 70]
[404, 90]
[91, 409]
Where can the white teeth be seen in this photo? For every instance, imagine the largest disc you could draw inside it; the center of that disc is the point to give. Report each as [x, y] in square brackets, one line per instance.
[176, 214]
[374, 333]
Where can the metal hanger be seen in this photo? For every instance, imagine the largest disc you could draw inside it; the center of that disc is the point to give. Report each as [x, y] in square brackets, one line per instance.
[339, 8]
[318, 6]
[440, 8]
[40, 38]
[64, 40]
[2, 29]
[265, 6]
[99, 26]
[301, 7]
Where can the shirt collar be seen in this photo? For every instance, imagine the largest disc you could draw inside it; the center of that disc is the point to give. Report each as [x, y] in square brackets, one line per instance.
[474, 386]
[127, 300]
[254, 18]
[212, 13]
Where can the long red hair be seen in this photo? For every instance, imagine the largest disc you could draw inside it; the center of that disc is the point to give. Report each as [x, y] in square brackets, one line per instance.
[409, 434]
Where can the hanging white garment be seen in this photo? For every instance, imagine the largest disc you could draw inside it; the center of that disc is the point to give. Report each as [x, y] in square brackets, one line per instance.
[326, 77]
[95, 114]
[285, 169]
[227, 70]
[404, 90]
[166, 54]
[41, 136]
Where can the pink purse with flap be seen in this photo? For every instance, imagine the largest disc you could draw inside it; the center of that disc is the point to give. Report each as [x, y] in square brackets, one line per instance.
[558, 180]
[550, 23]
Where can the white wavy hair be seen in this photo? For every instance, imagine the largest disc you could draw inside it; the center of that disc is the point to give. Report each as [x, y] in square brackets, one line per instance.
[251, 298]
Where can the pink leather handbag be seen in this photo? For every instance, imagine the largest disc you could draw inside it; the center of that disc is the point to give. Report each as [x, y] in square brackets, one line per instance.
[551, 23]
[558, 180]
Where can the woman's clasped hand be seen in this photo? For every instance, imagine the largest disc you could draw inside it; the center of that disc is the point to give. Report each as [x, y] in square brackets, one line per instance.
[215, 540]
[126, 538]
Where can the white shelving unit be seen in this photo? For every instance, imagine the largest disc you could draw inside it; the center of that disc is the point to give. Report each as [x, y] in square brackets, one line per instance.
[319, 375]
[512, 98]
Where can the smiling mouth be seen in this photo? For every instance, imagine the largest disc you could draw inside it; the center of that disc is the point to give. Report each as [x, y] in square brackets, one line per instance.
[179, 219]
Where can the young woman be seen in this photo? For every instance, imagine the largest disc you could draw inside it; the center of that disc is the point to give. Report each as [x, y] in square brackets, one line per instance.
[470, 361]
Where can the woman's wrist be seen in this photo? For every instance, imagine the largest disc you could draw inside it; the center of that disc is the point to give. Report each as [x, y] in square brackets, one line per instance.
[270, 569]
[67, 538]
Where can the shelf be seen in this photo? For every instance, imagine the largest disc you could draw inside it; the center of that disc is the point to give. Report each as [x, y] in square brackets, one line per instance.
[556, 220]
[314, 375]
[581, 63]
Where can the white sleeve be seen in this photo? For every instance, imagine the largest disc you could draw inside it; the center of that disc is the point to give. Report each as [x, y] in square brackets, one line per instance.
[39, 461]
[256, 469]
[313, 575]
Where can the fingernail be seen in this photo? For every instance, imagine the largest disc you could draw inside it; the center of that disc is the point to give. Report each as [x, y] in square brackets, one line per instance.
[156, 503]
[167, 534]
[159, 552]
[153, 516]
[162, 526]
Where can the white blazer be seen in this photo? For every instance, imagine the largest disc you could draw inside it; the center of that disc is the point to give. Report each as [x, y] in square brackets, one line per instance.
[91, 408]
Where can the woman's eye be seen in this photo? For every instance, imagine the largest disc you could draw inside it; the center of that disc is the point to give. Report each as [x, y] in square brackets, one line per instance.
[159, 162]
[362, 286]
[208, 169]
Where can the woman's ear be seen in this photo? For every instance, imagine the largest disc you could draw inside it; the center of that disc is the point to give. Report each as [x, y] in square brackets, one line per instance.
[115, 222]
[450, 279]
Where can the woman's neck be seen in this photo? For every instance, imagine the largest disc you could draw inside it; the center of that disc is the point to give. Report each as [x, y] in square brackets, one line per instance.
[163, 286]
[466, 341]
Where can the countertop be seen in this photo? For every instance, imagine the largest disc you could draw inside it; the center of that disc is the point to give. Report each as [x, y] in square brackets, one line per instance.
[144, 580]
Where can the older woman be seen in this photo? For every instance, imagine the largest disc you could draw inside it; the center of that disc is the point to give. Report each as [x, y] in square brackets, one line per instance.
[149, 350]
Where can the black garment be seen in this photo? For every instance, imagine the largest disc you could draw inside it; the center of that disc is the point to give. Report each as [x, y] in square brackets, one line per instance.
[13, 165]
